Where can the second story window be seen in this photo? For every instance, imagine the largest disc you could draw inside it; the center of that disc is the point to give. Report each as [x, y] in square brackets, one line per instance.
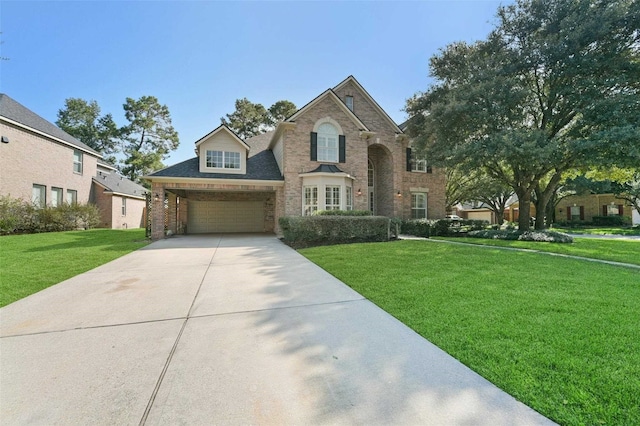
[223, 160]
[77, 161]
[348, 100]
[327, 143]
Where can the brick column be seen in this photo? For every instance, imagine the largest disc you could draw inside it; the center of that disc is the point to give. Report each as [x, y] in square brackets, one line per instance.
[173, 224]
[157, 211]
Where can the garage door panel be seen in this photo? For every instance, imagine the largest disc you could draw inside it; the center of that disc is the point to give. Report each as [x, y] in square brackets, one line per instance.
[225, 216]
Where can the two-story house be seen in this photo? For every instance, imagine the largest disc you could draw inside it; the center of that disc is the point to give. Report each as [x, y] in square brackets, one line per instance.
[42, 164]
[339, 151]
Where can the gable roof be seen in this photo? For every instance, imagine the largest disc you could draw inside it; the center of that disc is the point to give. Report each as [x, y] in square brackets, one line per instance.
[15, 113]
[332, 95]
[118, 184]
[261, 166]
[352, 79]
[259, 143]
[219, 129]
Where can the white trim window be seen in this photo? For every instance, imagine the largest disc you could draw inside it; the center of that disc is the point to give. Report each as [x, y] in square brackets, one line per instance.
[310, 200]
[349, 193]
[72, 196]
[613, 210]
[39, 195]
[223, 160]
[77, 161]
[332, 197]
[418, 205]
[124, 206]
[419, 165]
[56, 197]
[327, 143]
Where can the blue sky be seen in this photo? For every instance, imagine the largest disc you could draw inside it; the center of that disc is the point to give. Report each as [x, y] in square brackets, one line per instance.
[198, 57]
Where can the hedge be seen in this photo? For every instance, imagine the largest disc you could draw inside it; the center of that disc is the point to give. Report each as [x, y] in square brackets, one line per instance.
[504, 234]
[336, 229]
[19, 216]
[611, 220]
[342, 213]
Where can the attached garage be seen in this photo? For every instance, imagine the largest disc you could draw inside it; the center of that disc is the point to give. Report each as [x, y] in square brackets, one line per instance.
[225, 216]
[480, 215]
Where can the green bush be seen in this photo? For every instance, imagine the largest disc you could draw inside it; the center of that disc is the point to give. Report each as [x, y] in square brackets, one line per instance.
[315, 230]
[19, 216]
[342, 213]
[611, 220]
[515, 235]
[417, 227]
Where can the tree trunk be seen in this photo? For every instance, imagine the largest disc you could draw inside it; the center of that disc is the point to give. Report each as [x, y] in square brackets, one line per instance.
[524, 209]
[500, 216]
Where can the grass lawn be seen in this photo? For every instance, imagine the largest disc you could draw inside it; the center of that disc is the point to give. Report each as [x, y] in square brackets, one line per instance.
[560, 335]
[625, 251]
[600, 231]
[32, 262]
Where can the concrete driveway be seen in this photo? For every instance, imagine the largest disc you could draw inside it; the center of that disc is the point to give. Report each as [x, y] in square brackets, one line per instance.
[233, 329]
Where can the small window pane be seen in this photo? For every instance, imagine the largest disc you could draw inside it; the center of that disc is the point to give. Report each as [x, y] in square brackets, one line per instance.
[72, 196]
[332, 197]
[310, 200]
[232, 160]
[349, 102]
[77, 161]
[124, 206]
[349, 198]
[214, 159]
[418, 206]
[56, 197]
[38, 196]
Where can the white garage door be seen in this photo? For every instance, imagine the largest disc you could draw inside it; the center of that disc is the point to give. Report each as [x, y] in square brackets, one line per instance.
[225, 216]
[481, 215]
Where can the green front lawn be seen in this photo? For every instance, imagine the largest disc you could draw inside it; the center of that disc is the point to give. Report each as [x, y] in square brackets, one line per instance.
[560, 335]
[32, 262]
[625, 251]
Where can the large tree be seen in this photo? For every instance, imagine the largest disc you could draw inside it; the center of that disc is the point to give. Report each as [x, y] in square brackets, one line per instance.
[251, 119]
[555, 86]
[82, 120]
[148, 138]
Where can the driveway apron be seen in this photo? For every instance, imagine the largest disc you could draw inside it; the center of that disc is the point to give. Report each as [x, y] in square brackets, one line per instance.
[227, 329]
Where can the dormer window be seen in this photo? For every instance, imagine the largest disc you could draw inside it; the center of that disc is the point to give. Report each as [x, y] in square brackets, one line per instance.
[223, 160]
[348, 100]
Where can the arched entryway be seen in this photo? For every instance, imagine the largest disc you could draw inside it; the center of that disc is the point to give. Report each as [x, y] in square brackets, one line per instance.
[380, 180]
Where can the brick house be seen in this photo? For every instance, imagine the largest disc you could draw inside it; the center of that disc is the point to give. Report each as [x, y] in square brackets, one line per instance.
[339, 151]
[585, 207]
[41, 163]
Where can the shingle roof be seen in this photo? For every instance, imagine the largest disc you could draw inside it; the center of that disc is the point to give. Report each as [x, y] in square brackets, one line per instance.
[259, 143]
[14, 111]
[117, 183]
[326, 168]
[261, 166]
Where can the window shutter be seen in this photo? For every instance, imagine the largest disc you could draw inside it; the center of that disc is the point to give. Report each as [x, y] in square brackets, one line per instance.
[342, 149]
[620, 212]
[408, 159]
[314, 146]
[604, 210]
[581, 212]
[568, 212]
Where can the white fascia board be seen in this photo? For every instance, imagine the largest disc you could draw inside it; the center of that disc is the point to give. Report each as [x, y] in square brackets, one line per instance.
[326, 174]
[218, 129]
[167, 179]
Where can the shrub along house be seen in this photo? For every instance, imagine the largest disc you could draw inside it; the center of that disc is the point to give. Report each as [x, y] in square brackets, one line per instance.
[42, 164]
[340, 151]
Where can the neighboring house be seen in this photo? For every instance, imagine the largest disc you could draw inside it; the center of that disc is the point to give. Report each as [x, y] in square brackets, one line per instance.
[42, 164]
[585, 207]
[122, 202]
[475, 211]
[340, 151]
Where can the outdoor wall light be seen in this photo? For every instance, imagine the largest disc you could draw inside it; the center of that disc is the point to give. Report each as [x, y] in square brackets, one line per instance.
[156, 196]
[399, 194]
[359, 192]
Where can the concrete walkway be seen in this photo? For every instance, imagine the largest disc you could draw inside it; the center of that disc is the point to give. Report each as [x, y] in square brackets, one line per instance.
[227, 330]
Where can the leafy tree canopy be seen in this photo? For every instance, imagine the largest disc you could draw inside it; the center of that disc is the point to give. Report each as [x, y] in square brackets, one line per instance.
[555, 86]
[82, 120]
[251, 119]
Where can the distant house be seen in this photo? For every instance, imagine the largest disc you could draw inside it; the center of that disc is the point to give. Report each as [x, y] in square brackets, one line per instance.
[42, 164]
[341, 151]
[577, 208]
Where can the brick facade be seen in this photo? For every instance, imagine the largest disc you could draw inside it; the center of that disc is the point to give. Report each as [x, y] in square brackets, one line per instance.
[30, 158]
[592, 205]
